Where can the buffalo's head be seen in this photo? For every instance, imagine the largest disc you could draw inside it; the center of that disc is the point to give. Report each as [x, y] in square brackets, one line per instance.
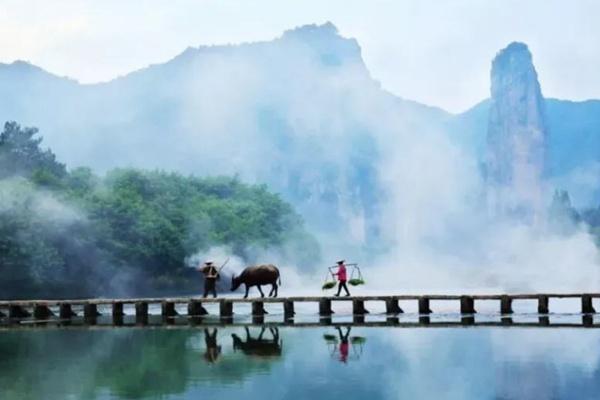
[236, 281]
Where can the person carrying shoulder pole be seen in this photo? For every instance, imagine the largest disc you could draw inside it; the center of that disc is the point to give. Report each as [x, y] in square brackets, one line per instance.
[211, 275]
[342, 276]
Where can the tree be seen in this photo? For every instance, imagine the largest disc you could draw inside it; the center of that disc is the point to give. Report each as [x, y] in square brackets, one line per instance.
[21, 155]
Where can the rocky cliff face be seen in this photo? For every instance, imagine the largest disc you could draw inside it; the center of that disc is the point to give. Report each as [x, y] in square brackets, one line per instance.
[299, 113]
[517, 136]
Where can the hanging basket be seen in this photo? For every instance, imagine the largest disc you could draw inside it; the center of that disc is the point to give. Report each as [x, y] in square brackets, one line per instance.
[328, 285]
[356, 281]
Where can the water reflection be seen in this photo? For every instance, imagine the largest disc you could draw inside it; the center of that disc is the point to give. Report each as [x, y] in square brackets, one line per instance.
[213, 350]
[259, 347]
[341, 344]
[349, 362]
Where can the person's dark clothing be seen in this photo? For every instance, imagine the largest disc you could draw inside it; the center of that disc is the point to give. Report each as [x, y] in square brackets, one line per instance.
[210, 286]
[342, 284]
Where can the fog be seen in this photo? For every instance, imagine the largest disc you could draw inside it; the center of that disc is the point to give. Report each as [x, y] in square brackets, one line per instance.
[378, 179]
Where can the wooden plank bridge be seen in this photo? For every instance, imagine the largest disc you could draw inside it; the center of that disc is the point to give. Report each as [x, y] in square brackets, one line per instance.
[65, 309]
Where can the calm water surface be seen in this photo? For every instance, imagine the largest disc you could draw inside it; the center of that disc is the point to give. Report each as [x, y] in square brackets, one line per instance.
[300, 363]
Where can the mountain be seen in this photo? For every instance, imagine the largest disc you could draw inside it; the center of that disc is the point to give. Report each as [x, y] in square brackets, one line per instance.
[515, 156]
[572, 144]
[300, 113]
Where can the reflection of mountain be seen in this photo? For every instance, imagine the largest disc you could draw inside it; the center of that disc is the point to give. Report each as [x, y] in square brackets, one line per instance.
[300, 113]
[465, 364]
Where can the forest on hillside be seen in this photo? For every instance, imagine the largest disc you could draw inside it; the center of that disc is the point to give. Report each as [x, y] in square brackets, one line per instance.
[72, 233]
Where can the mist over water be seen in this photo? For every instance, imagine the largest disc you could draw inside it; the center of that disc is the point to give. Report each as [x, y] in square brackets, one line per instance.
[382, 363]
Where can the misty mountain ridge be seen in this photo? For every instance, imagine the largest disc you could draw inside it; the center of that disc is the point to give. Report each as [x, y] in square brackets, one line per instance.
[300, 113]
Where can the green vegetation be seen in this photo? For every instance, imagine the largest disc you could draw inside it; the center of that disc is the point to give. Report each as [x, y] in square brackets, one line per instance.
[356, 282]
[72, 233]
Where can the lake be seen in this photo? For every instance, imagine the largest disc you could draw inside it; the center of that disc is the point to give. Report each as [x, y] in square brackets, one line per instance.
[286, 362]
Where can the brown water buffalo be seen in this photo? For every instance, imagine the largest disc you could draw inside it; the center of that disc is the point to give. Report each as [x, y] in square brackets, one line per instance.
[256, 276]
[259, 347]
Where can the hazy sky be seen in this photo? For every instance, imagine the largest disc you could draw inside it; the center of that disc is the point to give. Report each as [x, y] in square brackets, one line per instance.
[433, 51]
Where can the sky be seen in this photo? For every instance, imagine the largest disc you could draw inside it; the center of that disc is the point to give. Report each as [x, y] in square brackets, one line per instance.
[432, 51]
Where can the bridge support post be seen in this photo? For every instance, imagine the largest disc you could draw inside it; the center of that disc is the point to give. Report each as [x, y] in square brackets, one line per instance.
[65, 311]
[325, 308]
[167, 309]
[117, 309]
[117, 313]
[392, 307]
[195, 308]
[543, 304]
[288, 309]
[258, 308]
[358, 307]
[90, 312]
[16, 312]
[506, 305]
[225, 309]
[41, 311]
[587, 306]
[424, 305]
[141, 312]
[467, 305]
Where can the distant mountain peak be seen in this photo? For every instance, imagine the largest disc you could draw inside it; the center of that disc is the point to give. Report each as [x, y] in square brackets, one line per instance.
[325, 39]
[514, 60]
[326, 29]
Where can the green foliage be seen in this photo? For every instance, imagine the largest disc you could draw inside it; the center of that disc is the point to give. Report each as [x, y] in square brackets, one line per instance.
[356, 282]
[76, 233]
[20, 154]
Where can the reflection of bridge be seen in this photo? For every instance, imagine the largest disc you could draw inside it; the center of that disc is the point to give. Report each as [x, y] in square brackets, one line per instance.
[65, 309]
[587, 321]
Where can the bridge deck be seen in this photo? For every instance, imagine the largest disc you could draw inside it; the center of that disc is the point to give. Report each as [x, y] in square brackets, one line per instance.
[41, 309]
[295, 299]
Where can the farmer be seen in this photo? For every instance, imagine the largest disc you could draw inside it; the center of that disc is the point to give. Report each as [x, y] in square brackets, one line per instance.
[211, 275]
[342, 278]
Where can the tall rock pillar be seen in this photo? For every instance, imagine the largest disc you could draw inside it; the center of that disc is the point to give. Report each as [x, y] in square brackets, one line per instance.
[516, 138]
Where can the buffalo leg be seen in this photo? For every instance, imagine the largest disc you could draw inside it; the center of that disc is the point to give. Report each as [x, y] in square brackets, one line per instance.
[271, 292]
[260, 290]
[274, 290]
[247, 289]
